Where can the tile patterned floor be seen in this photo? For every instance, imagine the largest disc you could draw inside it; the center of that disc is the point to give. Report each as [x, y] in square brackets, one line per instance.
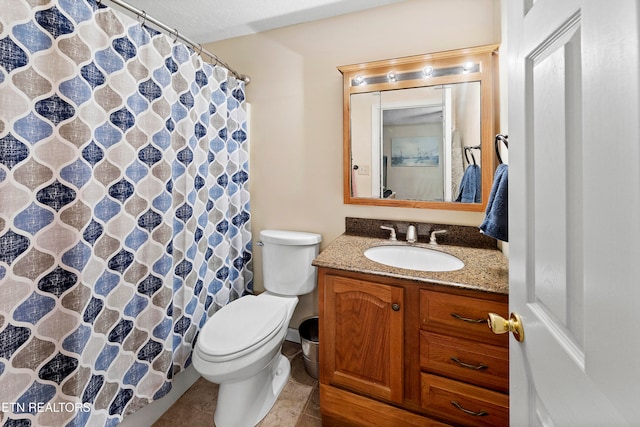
[297, 406]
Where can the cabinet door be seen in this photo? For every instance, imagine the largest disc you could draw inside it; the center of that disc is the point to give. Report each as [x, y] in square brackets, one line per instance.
[362, 336]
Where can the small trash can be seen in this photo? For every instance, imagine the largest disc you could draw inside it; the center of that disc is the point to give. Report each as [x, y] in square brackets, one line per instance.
[308, 330]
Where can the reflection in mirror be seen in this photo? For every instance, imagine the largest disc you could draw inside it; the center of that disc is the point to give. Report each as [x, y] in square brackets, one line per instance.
[414, 141]
[418, 130]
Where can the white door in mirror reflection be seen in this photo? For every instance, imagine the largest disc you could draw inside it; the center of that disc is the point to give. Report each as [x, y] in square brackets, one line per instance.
[415, 139]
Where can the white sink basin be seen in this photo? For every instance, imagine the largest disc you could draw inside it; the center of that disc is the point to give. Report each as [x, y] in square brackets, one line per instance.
[413, 258]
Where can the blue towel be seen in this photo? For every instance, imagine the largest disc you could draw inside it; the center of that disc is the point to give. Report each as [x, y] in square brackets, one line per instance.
[496, 222]
[470, 186]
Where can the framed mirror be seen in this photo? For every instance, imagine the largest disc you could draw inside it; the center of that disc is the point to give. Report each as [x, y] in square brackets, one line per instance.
[419, 131]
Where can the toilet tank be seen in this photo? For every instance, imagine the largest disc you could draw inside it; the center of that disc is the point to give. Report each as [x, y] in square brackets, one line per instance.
[286, 261]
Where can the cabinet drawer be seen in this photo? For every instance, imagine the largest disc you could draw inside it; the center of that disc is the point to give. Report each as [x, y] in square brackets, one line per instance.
[464, 404]
[461, 316]
[473, 362]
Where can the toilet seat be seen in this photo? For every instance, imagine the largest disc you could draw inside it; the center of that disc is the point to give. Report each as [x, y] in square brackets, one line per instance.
[239, 327]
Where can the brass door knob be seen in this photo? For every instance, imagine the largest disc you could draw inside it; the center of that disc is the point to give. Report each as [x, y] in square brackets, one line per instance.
[499, 325]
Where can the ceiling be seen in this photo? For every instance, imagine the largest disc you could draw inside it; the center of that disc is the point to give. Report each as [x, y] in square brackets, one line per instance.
[205, 21]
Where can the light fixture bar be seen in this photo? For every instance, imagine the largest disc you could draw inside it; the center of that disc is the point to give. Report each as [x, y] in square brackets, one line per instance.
[415, 75]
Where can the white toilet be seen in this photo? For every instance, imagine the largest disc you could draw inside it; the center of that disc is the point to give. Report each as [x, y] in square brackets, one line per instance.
[239, 346]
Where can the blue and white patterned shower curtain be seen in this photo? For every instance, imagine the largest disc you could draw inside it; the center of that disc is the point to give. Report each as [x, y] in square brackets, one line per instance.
[124, 210]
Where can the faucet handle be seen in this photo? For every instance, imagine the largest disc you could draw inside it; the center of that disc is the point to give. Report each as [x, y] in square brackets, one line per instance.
[432, 239]
[392, 236]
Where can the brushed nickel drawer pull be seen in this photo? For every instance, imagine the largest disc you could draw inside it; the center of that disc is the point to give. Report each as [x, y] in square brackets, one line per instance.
[466, 319]
[467, 365]
[480, 413]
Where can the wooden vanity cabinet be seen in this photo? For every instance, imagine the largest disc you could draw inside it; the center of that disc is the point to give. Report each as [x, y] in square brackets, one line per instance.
[397, 352]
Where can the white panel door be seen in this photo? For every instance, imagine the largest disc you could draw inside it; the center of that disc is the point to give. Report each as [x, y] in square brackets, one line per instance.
[574, 200]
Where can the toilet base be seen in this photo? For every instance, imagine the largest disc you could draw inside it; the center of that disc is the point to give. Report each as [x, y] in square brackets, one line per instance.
[245, 403]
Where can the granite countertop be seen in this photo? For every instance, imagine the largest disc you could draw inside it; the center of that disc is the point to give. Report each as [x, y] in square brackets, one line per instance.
[484, 270]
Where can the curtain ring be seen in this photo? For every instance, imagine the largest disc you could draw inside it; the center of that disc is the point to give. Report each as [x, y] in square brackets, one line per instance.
[175, 40]
[143, 16]
[200, 51]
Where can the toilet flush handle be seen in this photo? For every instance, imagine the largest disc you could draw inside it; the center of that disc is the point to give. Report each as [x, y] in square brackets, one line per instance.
[259, 243]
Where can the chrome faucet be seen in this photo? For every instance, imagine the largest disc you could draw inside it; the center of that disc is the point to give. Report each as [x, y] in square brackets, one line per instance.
[392, 236]
[432, 239]
[412, 234]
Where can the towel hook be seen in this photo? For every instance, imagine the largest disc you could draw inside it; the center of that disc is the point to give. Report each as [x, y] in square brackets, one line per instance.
[505, 140]
[467, 151]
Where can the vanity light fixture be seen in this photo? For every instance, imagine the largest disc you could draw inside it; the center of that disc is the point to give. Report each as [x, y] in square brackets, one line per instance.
[467, 67]
[422, 72]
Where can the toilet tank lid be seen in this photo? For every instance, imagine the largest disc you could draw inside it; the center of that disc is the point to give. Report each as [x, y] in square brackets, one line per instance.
[285, 237]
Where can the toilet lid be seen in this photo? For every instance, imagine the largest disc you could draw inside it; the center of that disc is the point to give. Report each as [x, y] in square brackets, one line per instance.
[240, 325]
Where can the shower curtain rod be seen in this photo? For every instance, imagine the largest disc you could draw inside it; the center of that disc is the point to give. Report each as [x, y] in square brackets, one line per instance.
[174, 32]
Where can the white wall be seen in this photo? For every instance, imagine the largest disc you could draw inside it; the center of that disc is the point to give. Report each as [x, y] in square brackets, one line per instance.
[296, 97]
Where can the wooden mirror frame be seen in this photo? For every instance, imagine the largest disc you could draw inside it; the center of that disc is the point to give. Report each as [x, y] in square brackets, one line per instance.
[487, 75]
